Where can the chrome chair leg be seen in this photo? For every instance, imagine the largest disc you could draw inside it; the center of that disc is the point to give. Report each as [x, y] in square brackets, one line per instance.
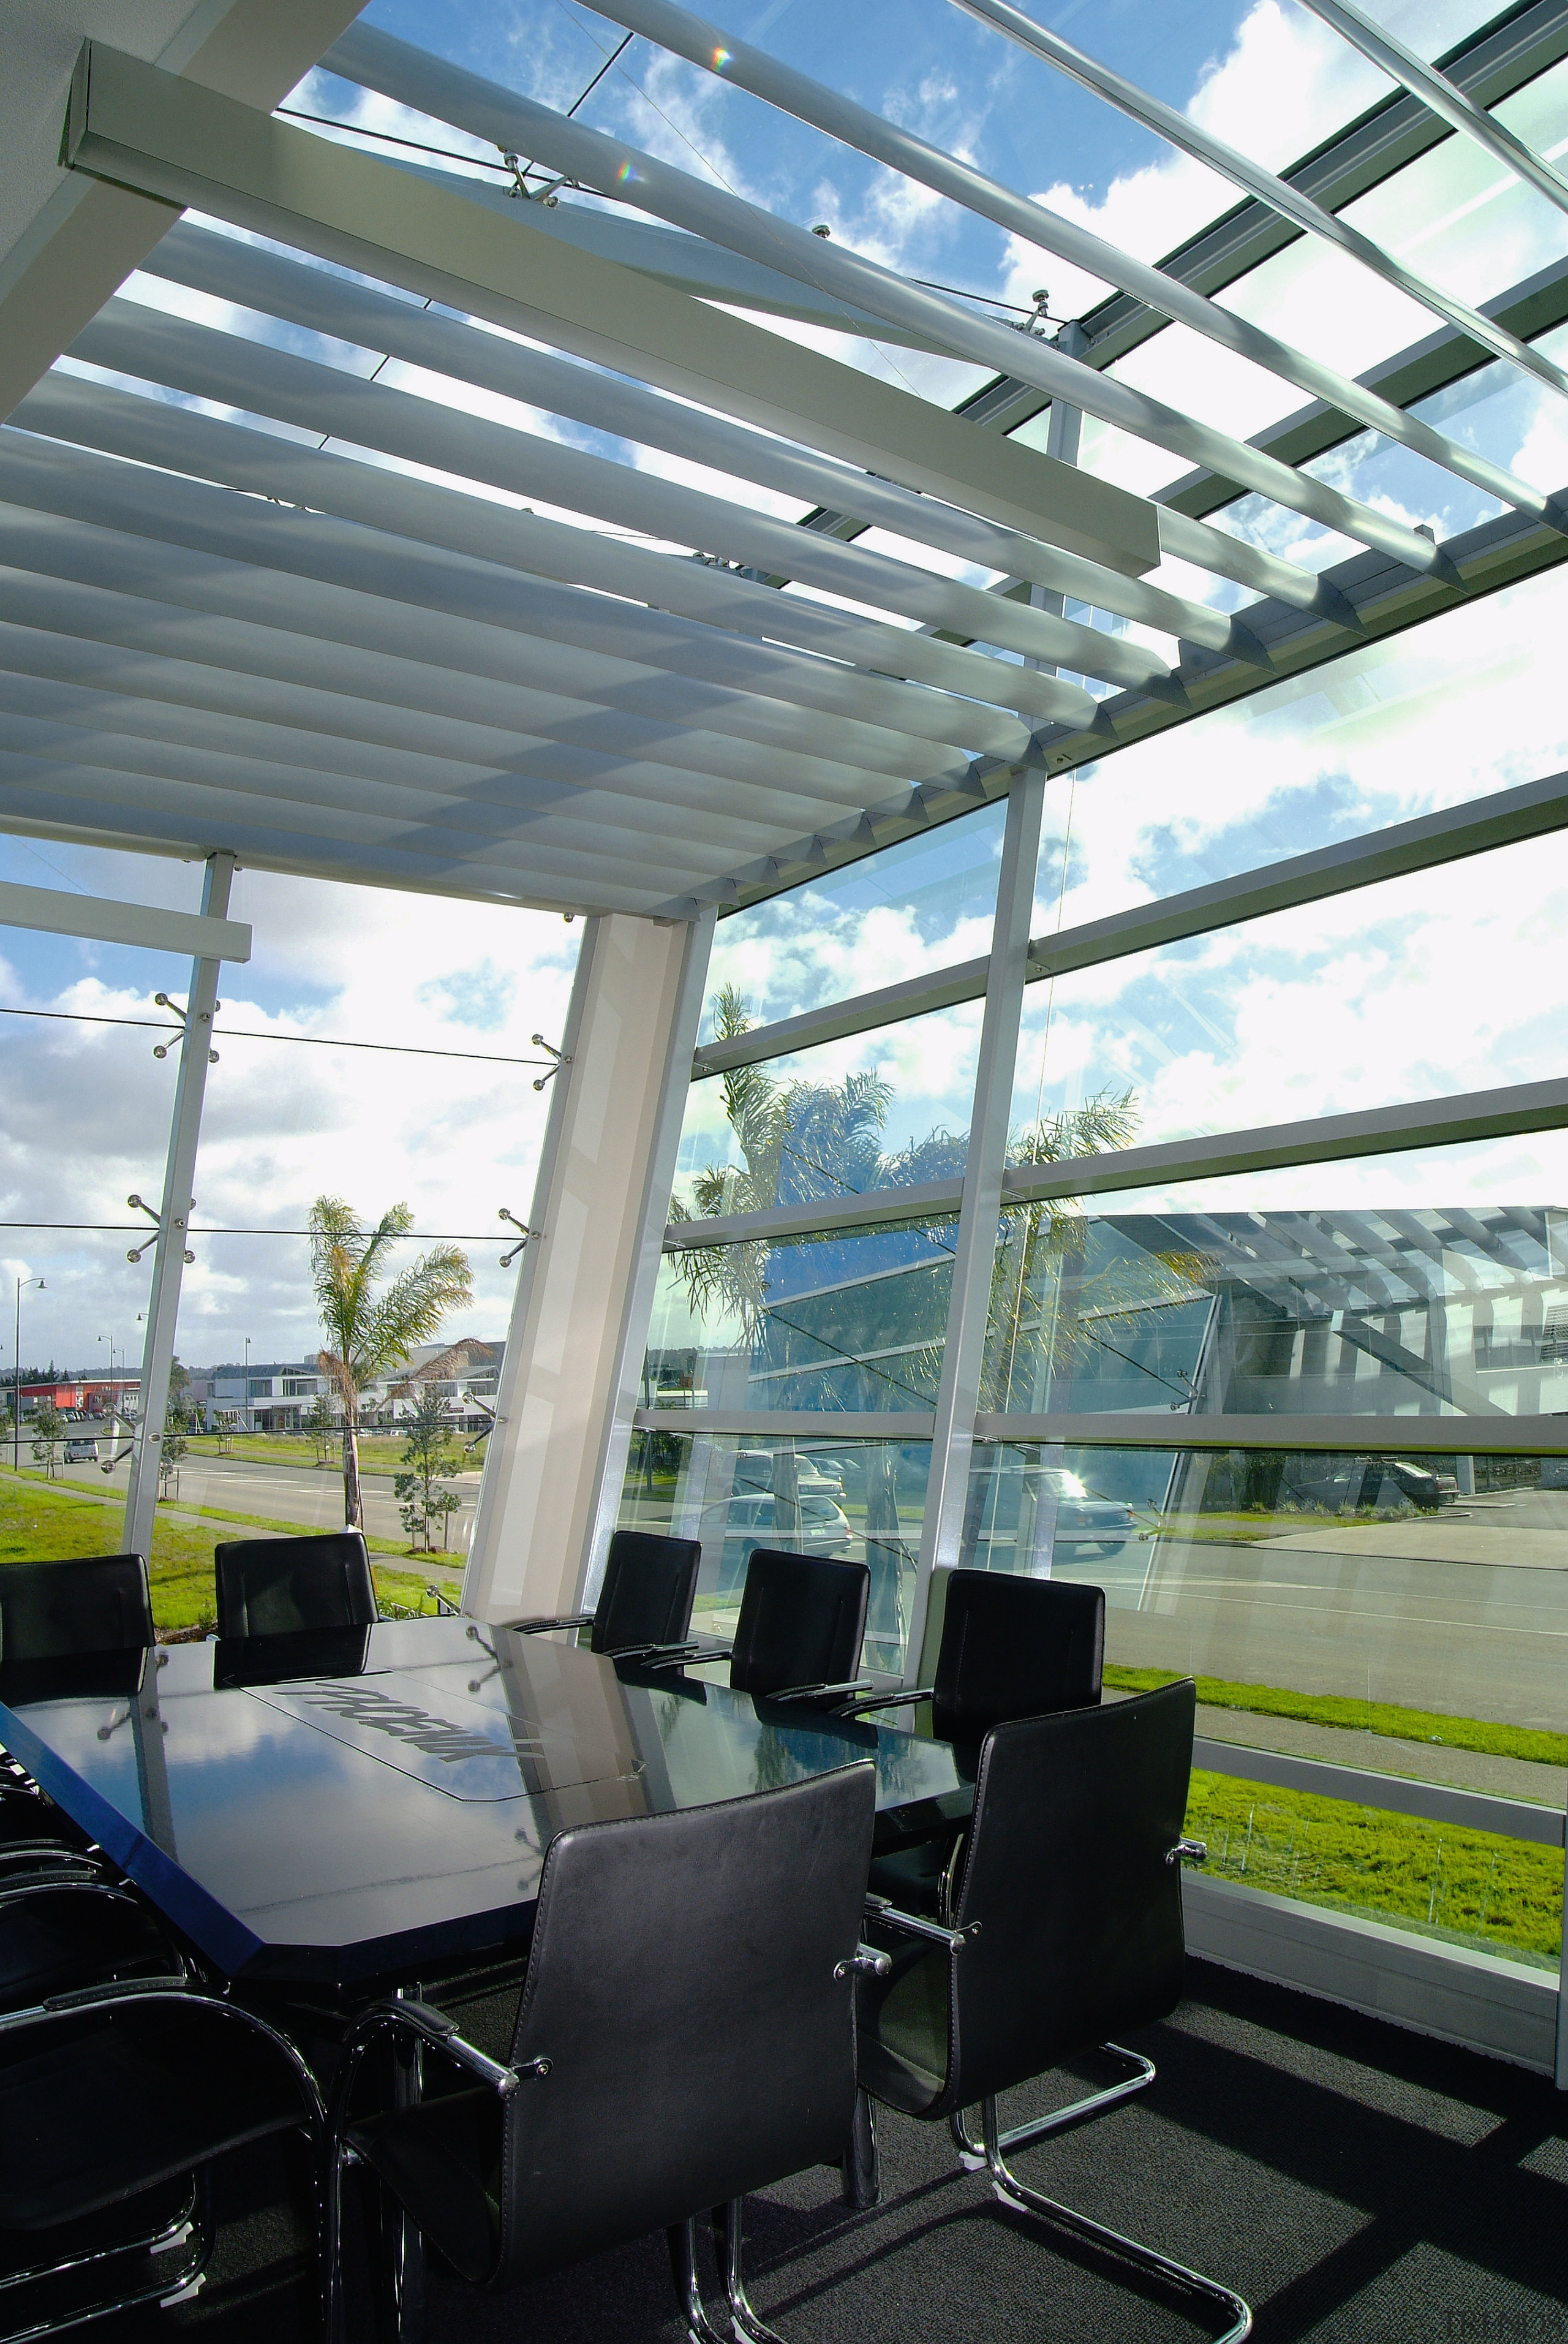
[682, 2241]
[861, 2164]
[747, 2326]
[1013, 2192]
[1139, 2074]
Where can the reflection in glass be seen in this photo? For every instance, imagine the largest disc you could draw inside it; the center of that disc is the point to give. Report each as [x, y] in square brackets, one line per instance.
[1398, 1312]
[915, 905]
[1421, 987]
[852, 1321]
[889, 1109]
[1467, 702]
[857, 1501]
[1402, 1615]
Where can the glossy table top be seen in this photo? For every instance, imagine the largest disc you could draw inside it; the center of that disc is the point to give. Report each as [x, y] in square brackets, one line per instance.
[341, 1807]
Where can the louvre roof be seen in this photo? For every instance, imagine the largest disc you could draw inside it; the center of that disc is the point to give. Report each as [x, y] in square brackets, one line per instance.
[253, 598]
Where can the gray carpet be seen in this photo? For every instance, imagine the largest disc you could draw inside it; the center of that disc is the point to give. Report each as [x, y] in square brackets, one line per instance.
[1353, 2182]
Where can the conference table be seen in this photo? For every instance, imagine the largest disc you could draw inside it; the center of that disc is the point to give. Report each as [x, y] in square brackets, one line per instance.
[358, 1806]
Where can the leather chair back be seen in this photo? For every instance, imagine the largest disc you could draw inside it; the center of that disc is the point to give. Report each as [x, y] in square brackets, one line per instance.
[281, 1586]
[649, 1587]
[58, 1611]
[1013, 1647]
[683, 1981]
[1075, 1817]
[803, 1619]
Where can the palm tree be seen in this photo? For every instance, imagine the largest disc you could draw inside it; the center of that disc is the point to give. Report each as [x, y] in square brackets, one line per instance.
[367, 1332]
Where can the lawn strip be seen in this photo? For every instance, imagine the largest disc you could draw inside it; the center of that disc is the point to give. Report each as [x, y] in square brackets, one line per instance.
[1386, 1717]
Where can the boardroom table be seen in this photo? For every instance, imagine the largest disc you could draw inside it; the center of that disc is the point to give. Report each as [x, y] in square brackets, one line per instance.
[345, 1809]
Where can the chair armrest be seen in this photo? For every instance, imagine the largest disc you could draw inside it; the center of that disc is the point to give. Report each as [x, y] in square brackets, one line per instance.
[885, 1701]
[1188, 1851]
[658, 1656]
[433, 2027]
[819, 1694]
[915, 1925]
[683, 1658]
[543, 1627]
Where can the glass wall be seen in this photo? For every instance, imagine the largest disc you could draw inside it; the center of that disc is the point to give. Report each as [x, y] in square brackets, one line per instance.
[1404, 1615]
[857, 1500]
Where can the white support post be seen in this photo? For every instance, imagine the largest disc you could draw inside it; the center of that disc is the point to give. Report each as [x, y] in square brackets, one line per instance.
[568, 1385]
[174, 1225]
[980, 1215]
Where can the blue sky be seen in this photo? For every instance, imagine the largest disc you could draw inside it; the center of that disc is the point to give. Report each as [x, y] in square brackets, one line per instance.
[84, 1108]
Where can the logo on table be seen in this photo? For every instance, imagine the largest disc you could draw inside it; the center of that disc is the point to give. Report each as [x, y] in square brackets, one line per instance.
[404, 1722]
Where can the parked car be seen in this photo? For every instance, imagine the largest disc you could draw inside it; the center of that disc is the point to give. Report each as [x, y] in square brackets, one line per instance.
[1084, 1524]
[813, 1477]
[740, 1524]
[81, 1453]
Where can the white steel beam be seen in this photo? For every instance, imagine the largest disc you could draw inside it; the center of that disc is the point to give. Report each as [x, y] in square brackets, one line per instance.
[130, 123]
[734, 60]
[52, 912]
[1289, 202]
[974, 1251]
[157, 347]
[604, 1180]
[327, 304]
[390, 65]
[87, 238]
[683, 603]
[1438, 94]
[173, 1223]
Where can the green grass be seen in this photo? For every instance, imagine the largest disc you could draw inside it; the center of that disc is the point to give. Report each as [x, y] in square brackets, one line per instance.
[1480, 1734]
[379, 1452]
[40, 1524]
[1503, 1896]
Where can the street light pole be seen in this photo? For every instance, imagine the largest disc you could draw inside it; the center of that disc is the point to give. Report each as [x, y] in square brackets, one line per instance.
[248, 1425]
[16, 1380]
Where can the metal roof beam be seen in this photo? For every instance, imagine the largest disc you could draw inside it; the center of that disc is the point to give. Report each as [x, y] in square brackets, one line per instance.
[414, 77]
[673, 606]
[1292, 203]
[138, 127]
[1441, 97]
[733, 60]
[157, 347]
[325, 303]
[1490, 66]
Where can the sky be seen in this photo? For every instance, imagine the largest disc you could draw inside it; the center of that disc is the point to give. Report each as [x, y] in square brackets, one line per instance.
[1442, 988]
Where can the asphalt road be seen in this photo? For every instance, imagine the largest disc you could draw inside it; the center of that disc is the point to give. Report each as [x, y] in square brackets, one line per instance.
[306, 1494]
[1465, 1611]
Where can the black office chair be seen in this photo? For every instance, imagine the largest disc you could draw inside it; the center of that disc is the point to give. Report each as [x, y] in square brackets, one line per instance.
[60, 1934]
[89, 1604]
[685, 2036]
[645, 1603]
[284, 1586]
[802, 1621]
[1066, 1926]
[113, 2102]
[1011, 1647]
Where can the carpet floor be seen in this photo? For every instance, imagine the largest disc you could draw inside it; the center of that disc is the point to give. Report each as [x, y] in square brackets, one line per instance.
[1354, 2182]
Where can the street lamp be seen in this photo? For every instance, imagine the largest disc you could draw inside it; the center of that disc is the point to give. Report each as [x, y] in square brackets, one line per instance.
[248, 1425]
[16, 1381]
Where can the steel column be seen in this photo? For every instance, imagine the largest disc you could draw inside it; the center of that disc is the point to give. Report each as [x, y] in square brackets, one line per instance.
[173, 1224]
[980, 1213]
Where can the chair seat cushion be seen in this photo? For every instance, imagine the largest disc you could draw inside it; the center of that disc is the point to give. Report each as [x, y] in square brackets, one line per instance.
[443, 2162]
[96, 2107]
